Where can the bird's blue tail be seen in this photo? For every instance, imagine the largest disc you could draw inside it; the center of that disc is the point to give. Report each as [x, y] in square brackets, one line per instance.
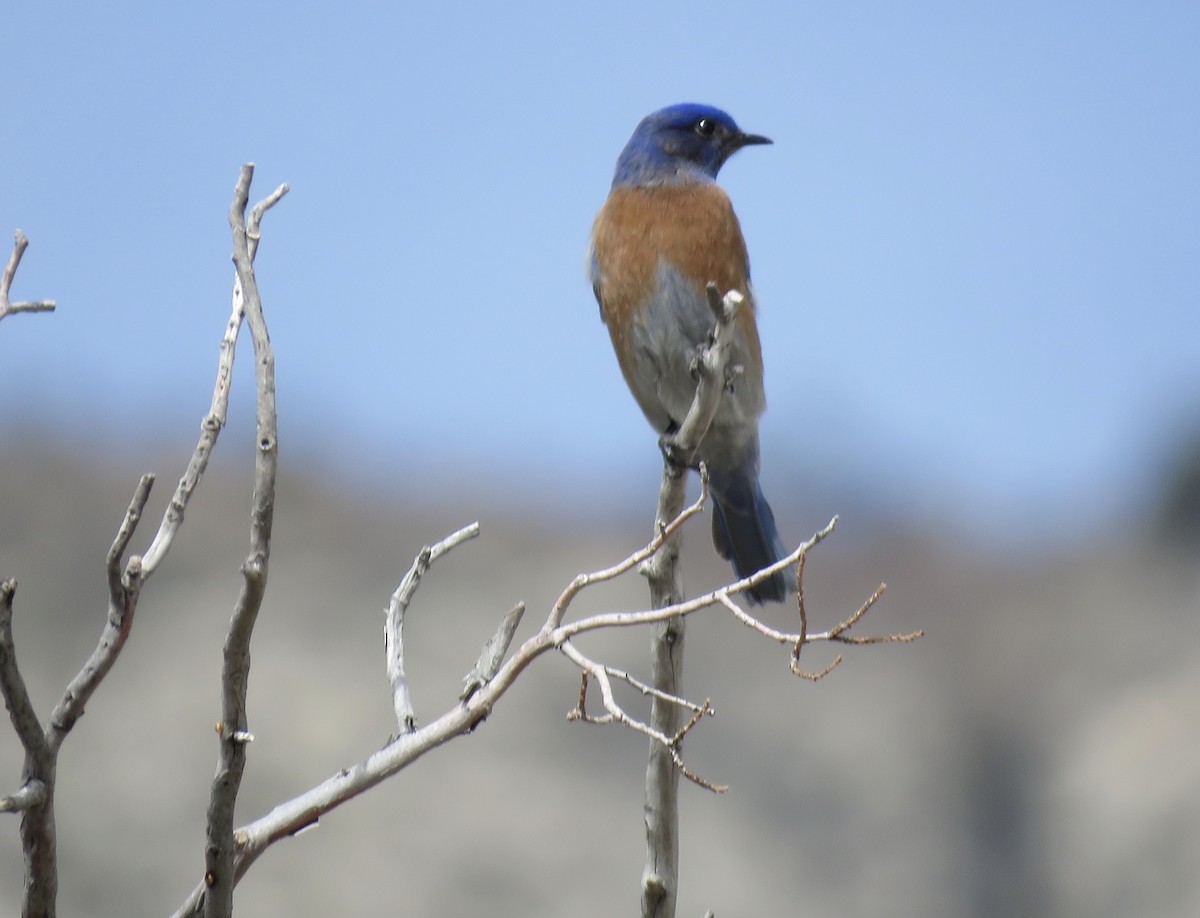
[743, 529]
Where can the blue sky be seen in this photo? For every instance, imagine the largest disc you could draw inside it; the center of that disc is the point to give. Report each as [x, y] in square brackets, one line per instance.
[975, 241]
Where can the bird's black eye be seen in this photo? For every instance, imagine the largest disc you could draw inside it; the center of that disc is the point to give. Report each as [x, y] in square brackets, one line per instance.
[706, 127]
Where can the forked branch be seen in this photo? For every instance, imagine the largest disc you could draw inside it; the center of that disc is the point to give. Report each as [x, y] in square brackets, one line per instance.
[7, 307]
[486, 687]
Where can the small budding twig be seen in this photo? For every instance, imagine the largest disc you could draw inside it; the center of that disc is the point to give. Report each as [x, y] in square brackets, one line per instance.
[617, 714]
[837, 632]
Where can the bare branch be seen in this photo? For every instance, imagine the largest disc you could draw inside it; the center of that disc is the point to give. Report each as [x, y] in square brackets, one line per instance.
[253, 225]
[124, 590]
[688, 607]
[750, 621]
[393, 628]
[220, 849]
[617, 714]
[651, 692]
[819, 674]
[35, 798]
[133, 515]
[306, 809]
[660, 879]
[7, 308]
[836, 633]
[218, 412]
[713, 373]
[12, 686]
[663, 533]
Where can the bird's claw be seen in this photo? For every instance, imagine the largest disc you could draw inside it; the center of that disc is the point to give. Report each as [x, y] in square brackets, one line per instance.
[731, 375]
[673, 454]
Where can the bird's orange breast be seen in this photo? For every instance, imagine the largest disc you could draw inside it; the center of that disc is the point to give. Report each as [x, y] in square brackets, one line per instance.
[691, 226]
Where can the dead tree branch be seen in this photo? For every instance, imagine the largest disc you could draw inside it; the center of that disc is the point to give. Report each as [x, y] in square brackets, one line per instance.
[16, 696]
[35, 798]
[233, 731]
[8, 308]
[305, 810]
[616, 714]
[393, 628]
[660, 874]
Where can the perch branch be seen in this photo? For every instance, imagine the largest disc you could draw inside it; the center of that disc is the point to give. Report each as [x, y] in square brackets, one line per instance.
[304, 810]
[660, 874]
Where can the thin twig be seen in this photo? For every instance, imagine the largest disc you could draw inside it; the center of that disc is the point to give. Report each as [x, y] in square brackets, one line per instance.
[393, 627]
[836, 633]
[669, 743]
[7, 308]
[213, 422]
[133, 515]
[662, 534]
[12, 685]
[580, 710]
[690, 606]
[123, 592]
[836, 630]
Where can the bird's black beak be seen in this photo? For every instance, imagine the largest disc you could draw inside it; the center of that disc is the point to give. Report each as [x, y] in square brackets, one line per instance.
[750, 140]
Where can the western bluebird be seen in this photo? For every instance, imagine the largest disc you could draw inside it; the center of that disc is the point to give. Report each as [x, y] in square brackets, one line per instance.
[666, 230]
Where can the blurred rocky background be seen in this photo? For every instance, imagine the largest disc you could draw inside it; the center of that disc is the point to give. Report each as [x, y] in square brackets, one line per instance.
[1038, 753]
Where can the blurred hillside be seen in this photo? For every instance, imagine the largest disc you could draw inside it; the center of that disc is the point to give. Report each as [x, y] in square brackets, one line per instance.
[1037, 754]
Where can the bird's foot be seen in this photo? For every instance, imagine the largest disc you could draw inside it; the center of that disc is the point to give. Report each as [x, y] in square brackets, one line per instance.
[673, 454]
[696, 364]
[731, 376]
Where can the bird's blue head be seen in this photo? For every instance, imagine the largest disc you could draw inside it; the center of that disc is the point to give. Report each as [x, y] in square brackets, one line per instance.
[681, 143]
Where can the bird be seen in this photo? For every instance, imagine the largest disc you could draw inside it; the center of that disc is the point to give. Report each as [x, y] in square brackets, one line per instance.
[664, 232]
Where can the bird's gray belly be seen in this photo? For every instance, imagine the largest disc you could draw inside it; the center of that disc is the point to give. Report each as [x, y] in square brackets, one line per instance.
[668, 334]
